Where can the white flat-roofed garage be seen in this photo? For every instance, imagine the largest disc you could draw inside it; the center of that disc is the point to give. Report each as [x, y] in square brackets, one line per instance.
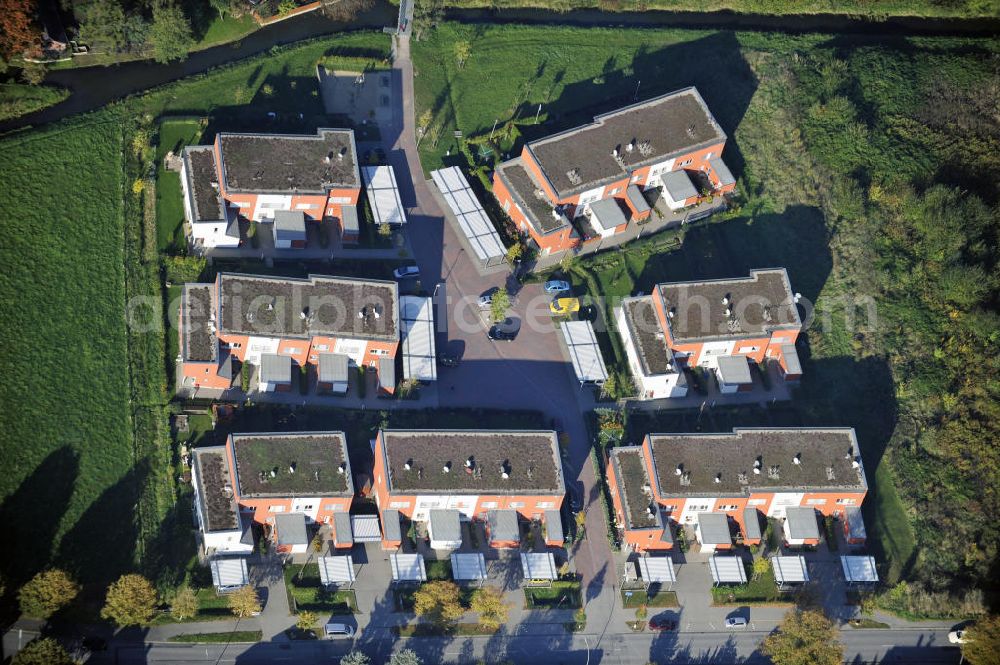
[472, 220]
[585, 354]
[383, 195]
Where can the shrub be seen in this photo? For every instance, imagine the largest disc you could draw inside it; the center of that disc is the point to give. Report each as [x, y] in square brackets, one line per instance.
[185, 604]
[244, 602]
[183, 269]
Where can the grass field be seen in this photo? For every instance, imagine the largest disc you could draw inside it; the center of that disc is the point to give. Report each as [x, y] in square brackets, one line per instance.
[220, 638]
[173, 135]
[17, 99]
[638, 597]
[760, 591]
[563, 595]
[211, 607]
[306, 592]
[69, 487]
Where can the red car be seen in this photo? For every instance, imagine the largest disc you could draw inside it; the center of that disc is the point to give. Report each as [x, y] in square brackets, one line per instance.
[662, 623]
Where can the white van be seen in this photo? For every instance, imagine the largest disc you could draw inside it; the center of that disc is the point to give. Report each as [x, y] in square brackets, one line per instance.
[338, 630]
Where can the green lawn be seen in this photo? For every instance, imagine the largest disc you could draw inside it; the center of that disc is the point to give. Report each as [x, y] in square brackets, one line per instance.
[638, 597]
[212, 606]
[563, 595]
[763, 591]
[438, 570]
[174, 135]
[222, 30]
[17, 99]
[66, 448]
[306, 593]
[220, 638]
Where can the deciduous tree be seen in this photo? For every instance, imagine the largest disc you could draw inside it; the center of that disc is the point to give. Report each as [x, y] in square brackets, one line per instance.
[185, 604]
[982, 642]
[489, 604]
[244, 602]
[804, 638]
[760, 567]
[355, 658]
[130, 601]
[306, 620]
[46, 593]
[438, 601]
[18, 33]
[103, 25]
[500, 304]
[405, 657]
[43, 651]
[170, 34]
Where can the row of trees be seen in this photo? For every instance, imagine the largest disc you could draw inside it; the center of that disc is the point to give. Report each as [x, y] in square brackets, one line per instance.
[441, 603]
[164, 30]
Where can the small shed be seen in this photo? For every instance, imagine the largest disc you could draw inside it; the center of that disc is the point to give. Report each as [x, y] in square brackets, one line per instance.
[445, 529]
[538, 566]
[854, 526]
[349, 228]
[800, 526]
[554, 535]
[733, 373]
[336, 570]
[584, 352]
[791, 367]
[343, 535]
[292, 533]
[607, 218]
[387, 374]
[503, 527]
[722, 172]
[468, 566]
[677, 189]
[751, 526]
[229, 573]
[275, 372]
[859, 569]
[712, 530]
[289, 229]
[392, 532]
[407, 567]
[657, 570]
[637, 203]
[334, 372]
[727, 570]
[789, 570]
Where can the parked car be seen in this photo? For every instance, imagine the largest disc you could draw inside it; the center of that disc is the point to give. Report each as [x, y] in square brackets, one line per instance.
[486, 298]
[505, 331]
[736, 622]
[556, 286]
[957, 637]
[661, 623]
[564, 306]
[404, 272]
[338, 630]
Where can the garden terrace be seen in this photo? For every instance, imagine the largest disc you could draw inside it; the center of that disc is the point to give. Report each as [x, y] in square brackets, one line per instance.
[635, 488]
[335, 306]
[312, 464]
[199, 344]
[530, 459]
[289, 163]
[826, 458]
[760, 304]
[217, 502]
[203, 181]
[658, 128]
[525, 190]
[644, 327]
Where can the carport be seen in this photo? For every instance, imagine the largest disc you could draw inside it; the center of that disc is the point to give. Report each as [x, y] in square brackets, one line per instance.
[383, 195]
[468, 567]
[859, 569]
[416, 329]
[229, 573]
[657, 570]
[584, 352]
[366, 529]
[789, 570]
[472, 220]
[336, 570]
[727, 570]
[538, 566]
[407, 567]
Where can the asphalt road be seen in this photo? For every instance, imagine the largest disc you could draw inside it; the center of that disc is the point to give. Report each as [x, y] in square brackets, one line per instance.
[868, 646]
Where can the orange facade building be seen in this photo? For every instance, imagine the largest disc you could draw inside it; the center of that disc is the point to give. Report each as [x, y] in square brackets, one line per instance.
[253, 177]
[671, 142]
[481, 475]
[279, 325]
[692, 479]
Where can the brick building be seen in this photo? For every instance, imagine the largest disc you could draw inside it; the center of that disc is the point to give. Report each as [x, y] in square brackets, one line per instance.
[281, 324]
[721, 485]
[281, 180]
[671, 143]
[444, 477]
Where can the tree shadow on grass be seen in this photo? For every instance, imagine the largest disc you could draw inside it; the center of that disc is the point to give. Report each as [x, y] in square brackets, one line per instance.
[31, 517]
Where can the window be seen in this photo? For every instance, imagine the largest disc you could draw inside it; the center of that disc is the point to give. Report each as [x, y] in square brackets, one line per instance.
[322, 347]
[331, 507]
[686, 162]
[488, 504]
[276, 509]
[816, 502]
[517, 504]
[399, 504]
[614, 191]
[306, 206]
[748, 349]
[728, 507]
[846, 502]
[313, 358]
[506, 205]
[636, 178]
[709, 155]
[542, 505]
[306, 508]
[669, 509]
[756, 502]
[292, 351]
[698, 509]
